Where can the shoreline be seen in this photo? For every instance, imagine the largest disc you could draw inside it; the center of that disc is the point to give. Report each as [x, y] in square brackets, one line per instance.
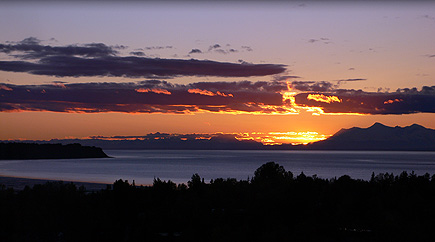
[19, 183]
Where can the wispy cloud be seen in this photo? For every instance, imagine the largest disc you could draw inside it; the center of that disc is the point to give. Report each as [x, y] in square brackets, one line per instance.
[322, 40]
[158, 47]
[217, 48]
[213, 47]
[247, 48]
[284, 77]
[137, 53]
[195, 51]
[426, 16]
[351, 80]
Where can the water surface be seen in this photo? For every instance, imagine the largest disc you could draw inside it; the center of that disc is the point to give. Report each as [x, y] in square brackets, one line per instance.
[179, 165]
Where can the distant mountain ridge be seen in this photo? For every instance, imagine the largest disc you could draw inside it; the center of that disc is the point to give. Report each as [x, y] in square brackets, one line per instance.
[380, 137]
[375, 137]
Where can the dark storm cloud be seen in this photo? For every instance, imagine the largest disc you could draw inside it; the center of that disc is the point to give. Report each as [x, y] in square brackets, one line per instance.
[152, 96]
[403, 101]
[97, 59]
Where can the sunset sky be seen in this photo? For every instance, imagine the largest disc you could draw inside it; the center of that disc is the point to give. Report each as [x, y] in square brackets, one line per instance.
[109, 68]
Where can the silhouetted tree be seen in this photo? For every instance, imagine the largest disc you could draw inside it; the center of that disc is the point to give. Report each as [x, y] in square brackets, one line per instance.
[271, 172]
[195, 181]
[163, 185]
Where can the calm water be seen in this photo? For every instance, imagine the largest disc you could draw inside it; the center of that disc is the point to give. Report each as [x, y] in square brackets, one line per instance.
[179, 165]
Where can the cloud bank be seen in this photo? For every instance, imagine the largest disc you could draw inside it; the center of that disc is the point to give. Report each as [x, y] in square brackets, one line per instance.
[150, 96]
[154, 96]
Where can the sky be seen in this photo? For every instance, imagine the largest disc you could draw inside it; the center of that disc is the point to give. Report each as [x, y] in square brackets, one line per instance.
[106, 68]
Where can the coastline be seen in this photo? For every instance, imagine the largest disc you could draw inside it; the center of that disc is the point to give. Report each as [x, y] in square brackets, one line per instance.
[19, 183]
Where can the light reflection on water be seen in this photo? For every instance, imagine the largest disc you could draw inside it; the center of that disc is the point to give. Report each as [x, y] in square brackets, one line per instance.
[179, 165]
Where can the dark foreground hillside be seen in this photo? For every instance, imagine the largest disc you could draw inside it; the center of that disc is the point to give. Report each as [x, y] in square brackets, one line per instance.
[273, 206]
[23, 151]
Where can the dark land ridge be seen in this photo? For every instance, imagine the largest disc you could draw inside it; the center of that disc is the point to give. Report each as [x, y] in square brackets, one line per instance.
[274, 205]
[22, 151]
[377, 137]
[380, 137]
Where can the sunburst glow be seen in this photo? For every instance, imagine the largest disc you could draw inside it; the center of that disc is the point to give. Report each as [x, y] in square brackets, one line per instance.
[323, 98]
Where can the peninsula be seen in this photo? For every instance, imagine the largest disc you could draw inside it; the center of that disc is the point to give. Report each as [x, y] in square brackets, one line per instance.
[26, 151]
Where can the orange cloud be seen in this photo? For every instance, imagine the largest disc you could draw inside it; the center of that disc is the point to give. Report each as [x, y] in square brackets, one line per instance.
[209, 93]
[224, 95]
[323, 98]
[59, 84]
[155, 90]
[3, 87]
[393, 101]
[202, 92]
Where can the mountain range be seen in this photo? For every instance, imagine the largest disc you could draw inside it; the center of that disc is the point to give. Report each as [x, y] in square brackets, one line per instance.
[375, 137]
[380, 137]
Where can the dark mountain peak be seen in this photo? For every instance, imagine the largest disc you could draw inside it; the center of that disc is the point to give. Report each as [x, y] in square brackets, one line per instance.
[378, 125]
[413, 126]
[416, 126]
[341, 131]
